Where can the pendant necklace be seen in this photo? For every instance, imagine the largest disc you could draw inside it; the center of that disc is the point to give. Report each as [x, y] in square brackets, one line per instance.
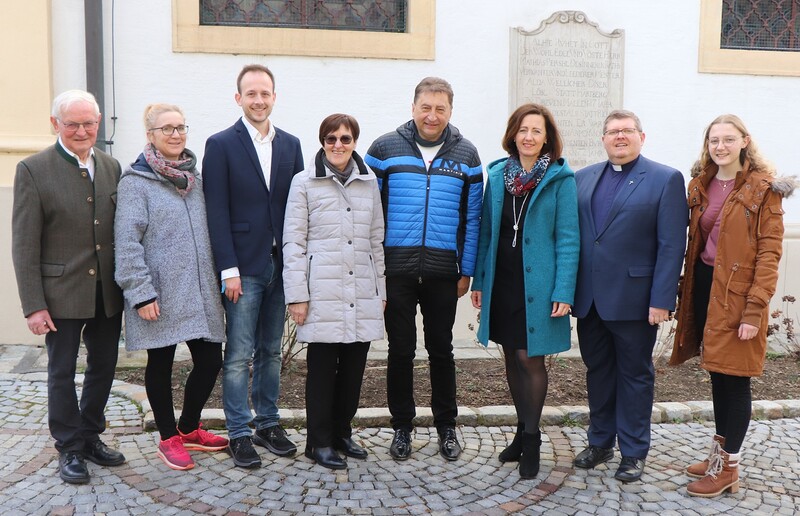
[517, 218]
[724, 183]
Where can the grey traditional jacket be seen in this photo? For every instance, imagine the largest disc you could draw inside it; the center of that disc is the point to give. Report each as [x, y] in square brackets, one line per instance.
[63, 234]
[333, 254]
[164, 253]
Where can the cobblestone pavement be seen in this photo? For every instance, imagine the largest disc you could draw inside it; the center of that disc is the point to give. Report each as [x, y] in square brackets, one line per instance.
[476, 483]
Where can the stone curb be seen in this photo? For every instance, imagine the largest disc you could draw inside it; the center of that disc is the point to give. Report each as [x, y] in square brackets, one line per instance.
[498, 415]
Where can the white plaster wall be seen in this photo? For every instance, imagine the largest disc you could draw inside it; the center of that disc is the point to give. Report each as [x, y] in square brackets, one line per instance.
[662, 84]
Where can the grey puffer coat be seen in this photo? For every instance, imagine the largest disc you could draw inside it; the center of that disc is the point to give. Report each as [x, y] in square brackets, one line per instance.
[333, 254]
[163, 252]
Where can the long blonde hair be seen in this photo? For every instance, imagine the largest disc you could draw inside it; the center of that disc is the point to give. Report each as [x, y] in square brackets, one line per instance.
[749, 153]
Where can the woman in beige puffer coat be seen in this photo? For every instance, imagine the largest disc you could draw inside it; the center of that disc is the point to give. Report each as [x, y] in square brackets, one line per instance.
[333, 280]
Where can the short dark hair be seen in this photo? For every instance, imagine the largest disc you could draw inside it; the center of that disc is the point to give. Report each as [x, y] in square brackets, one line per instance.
[622, 114]
[333, 122]
[254, 68]
[553, 145]
[434, 85]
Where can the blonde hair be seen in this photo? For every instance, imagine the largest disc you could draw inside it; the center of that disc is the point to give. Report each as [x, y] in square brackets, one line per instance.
[153, 111]
[749, 153]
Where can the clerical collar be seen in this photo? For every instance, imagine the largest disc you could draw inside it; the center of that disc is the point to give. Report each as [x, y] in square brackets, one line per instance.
[623, 168]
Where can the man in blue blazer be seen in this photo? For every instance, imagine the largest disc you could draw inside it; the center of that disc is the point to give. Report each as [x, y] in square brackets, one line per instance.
[633, 219]
[247, 171]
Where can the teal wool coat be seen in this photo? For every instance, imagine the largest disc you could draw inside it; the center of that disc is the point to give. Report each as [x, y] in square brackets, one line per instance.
[550, 242]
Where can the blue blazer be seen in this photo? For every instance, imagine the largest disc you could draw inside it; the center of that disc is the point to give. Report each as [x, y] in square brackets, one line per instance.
[244, 215]
[634, 261]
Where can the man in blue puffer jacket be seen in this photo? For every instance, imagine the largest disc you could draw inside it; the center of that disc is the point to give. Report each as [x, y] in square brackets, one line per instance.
[431, 183]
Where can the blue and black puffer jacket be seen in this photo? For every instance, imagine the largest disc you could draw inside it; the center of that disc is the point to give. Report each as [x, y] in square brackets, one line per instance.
[432, 215]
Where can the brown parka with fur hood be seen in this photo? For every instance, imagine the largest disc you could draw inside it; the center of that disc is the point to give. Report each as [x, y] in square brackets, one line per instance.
[745, 272]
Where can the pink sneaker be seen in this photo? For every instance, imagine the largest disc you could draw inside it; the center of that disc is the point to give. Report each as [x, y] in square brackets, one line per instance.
[174, 455]
[200, 440]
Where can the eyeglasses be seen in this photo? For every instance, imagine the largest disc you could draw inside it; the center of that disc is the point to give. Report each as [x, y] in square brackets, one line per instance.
[72, 127]
[728, 141]
[167, 130]
[345, 139]
[628, 131]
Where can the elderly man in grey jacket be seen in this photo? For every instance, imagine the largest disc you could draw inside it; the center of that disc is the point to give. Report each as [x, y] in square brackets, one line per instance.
[63, 252]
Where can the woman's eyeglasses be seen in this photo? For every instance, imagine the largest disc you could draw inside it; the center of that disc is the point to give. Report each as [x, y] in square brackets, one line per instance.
[345, 139]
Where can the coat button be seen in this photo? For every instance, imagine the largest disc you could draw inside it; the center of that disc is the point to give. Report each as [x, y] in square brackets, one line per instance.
[527, 240]
[96, 222]
[84, 174]
[351, 305]
[530, 299]
[528, 268]
[349, 241]
[92, 272]
[530, 329]
[97, 247]
[348, 209]
[351, 273]
[89, 199]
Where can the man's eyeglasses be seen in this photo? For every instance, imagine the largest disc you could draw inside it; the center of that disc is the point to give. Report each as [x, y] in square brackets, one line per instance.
[728, 141]
[345, 139]
[628, 131]
[167, 130]
[72, 127]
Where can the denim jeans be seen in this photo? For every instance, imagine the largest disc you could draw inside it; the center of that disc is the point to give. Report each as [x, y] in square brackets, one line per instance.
[255, 328]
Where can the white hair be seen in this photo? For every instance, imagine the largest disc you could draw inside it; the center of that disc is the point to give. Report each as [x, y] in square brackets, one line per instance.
[66, 99]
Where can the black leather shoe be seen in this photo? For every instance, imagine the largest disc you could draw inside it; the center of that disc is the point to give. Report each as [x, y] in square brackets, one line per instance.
[99, 453]
[592, 456]
[630, 469]
[275, 440]
[242, 451]
[326, 457]
[401, 444]
[448, 444]
[72, 468]
[349, 447]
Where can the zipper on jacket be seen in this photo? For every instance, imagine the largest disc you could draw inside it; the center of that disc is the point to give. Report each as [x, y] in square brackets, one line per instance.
[734, 268]
[425, 219]
[749, 228]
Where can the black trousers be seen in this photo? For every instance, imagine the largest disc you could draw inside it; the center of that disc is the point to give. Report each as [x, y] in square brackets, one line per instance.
[437, 300]
[731, 395]
[73, 424]
[207, 361]
[333, 388]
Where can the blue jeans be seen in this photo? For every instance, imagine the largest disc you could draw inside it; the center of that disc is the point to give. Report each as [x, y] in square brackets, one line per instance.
[255, 328]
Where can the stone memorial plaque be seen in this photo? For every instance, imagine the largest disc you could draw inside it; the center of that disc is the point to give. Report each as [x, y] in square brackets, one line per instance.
[574, 69]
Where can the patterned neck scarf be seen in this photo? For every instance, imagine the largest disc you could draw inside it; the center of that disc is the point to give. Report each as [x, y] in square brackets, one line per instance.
[180, 173]
[518, 181]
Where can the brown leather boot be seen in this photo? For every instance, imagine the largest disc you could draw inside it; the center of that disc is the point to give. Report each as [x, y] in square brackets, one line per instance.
[723, 475]
[698, 470]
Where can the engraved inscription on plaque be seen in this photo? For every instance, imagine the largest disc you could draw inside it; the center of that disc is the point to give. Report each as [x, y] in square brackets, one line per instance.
[574, 69]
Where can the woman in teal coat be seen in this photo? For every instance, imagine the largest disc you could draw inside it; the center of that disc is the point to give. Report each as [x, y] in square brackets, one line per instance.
[527, 264]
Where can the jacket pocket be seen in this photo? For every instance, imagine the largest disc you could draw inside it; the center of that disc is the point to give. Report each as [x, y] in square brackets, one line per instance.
[52, 269]
[736, 301]
[240, 227]
[640, 271]
[374, 275]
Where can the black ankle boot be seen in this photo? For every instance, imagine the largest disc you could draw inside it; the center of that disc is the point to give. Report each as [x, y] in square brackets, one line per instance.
[512, 452]
[529, 461]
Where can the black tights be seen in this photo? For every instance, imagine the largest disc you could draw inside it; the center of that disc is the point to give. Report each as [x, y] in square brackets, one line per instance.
[527, 381]
[732, 407]
[207, 359]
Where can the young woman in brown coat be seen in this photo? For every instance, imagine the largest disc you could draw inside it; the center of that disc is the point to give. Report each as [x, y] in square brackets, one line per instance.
[730, 273]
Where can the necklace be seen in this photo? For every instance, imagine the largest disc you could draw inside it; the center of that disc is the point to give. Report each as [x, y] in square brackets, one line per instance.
[724, 183]
[517, 217]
